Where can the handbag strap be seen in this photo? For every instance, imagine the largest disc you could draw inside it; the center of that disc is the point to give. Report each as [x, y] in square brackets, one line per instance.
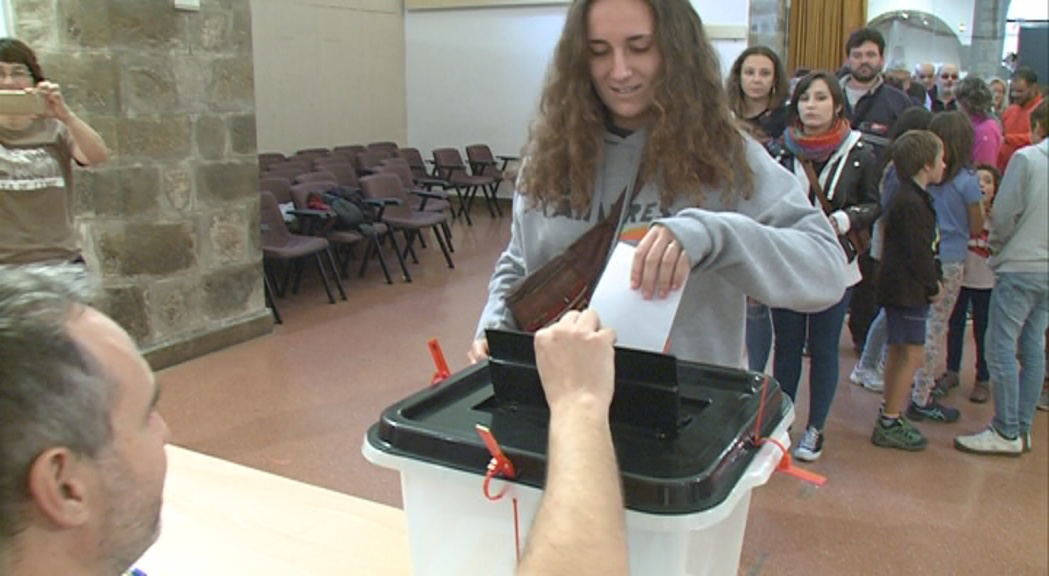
[814, 185]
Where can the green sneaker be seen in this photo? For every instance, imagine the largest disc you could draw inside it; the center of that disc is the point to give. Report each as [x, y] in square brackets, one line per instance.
[901, 434]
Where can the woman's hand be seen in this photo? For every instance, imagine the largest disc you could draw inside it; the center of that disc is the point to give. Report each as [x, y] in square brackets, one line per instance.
[478, 351]
[56, 104]
[660, 264]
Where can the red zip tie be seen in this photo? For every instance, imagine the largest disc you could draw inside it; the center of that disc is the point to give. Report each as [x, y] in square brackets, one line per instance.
[761, 408]
[786, 465]
[517, 531]
[439, 362]
[500, 466]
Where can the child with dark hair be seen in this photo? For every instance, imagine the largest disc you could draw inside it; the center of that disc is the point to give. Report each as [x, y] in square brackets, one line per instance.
[909, 280]
[959, 215]
[977, 282]
[869, 372]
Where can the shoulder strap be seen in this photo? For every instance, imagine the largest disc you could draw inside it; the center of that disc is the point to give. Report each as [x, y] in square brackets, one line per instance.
[814, 185]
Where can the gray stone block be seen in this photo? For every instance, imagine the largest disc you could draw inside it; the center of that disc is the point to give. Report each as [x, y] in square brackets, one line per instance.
[227, 237]
[191, 80]
[176, 305]
[138, 25]
[150, 87]
[232, 83]
[89, 82]
[212, 31]
[84, 24]
[210, 133]
[243, 134]
[40, 34]
[129, 308]
[158, 138]
[139, 191]
[241, 35]
[148, 249]
[178, 188]
[229, 182]
[232, 291]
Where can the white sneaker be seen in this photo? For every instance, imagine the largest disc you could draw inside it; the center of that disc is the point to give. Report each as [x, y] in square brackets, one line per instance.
[989, 441]
[869, 379]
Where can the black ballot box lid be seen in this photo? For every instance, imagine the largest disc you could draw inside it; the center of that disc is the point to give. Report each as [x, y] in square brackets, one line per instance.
[684, 432]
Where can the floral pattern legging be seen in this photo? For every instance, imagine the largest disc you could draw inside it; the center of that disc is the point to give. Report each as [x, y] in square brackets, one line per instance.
[936, 332]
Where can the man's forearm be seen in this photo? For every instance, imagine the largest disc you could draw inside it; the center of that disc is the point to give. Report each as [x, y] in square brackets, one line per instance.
[580, 529]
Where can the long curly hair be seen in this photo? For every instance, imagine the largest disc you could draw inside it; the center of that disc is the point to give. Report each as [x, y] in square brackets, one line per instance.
[734, 86]
[692, 139]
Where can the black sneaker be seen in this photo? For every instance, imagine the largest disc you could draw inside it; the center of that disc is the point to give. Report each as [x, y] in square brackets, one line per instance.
[811, 446]
[933, 411]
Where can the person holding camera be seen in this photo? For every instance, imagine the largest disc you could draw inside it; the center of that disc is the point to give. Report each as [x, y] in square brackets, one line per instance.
[40, 138]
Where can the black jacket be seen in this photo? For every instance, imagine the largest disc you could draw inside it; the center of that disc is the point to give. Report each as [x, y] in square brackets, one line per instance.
[910, 270]
[856, 192]
[876, 112]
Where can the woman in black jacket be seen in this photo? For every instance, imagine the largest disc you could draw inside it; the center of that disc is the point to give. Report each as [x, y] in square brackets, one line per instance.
[841, 173]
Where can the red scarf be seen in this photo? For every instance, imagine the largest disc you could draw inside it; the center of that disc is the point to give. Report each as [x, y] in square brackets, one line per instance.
[818, 147]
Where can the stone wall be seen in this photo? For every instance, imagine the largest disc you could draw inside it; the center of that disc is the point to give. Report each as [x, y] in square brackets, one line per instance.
[170, 223]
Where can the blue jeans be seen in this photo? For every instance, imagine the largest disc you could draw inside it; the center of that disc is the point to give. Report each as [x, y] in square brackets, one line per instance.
[759, 336]
[823, 331]
[981, 301]
[1016, 331]
[874, 347]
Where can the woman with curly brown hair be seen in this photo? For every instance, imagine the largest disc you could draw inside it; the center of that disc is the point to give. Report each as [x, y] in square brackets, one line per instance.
[634, 95]
[757, 89]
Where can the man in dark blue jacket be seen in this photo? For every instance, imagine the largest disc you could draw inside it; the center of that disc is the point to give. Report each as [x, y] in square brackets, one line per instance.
[872, 107]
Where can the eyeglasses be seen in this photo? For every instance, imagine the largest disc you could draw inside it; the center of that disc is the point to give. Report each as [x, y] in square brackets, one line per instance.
[15, 73]
[949, 76]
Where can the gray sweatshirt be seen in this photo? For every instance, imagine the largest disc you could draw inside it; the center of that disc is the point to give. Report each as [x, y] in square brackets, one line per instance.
[1019, 238]
[774, 246]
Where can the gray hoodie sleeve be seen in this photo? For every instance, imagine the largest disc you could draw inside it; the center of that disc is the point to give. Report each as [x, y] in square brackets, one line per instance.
[509, 270]
[777, 247]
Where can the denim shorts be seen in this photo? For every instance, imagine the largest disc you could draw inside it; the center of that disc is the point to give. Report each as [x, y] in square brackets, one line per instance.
[906, 325]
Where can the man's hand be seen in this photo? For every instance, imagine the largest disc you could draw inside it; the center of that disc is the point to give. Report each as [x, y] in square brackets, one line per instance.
[660, 264]
[576, 361]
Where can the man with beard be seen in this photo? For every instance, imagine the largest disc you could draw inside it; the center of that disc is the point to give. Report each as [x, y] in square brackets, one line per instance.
[872, 107]
[1016, 120]
[82, 460]
[942, 94]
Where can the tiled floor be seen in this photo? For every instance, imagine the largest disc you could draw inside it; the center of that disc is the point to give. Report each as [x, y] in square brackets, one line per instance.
[297, 403]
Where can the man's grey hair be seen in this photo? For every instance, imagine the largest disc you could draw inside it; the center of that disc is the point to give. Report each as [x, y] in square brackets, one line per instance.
[52, 392]
[974, 95]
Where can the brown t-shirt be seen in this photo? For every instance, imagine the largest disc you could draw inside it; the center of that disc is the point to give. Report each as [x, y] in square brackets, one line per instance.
[36, 194]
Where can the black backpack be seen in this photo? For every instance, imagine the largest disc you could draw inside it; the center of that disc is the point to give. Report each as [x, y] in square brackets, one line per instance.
[349, 206]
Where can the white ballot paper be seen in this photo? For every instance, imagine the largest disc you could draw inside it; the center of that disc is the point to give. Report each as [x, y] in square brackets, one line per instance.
[640, 324]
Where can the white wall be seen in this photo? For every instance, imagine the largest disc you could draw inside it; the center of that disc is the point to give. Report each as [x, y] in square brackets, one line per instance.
[908, 45]
[953, 12]
[475, 75]
[328, 72]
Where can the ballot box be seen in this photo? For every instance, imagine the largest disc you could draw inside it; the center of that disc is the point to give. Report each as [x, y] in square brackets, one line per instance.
[692, 441]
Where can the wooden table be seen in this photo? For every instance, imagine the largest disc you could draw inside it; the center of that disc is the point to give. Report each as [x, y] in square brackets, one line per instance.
[224, 518]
